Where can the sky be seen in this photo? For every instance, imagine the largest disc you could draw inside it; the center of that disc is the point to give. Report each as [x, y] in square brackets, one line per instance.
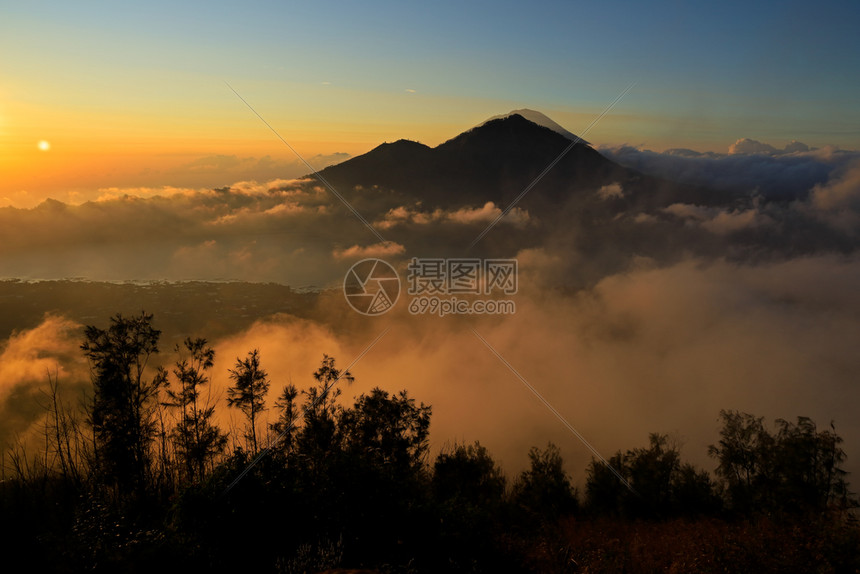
[98, 96]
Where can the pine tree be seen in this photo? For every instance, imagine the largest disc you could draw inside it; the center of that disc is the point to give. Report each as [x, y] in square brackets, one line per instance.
[318, 437]
[251, 383]
[285, 427]
[196, 438]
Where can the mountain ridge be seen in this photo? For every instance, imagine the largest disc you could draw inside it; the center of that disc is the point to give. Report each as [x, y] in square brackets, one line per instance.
[494, 162]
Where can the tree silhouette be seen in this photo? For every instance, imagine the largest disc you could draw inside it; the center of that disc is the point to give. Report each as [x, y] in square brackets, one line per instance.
[468, 475]
[196, 438]
[248, 393]
[544, 489]
[469, 490]
[796, 470]
[694, 492]
[604, 492]
[124, 400]
[652, 475]
[807, 465]
[745, 456]
[389, 430]
[318, 437]
[370, 477]
[662, 486]
[285, 427]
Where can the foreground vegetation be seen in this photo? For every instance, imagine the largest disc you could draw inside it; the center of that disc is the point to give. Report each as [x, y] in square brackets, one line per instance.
[142, 477]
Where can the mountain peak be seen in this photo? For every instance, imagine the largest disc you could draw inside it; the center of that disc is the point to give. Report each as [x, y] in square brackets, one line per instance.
[494, 162]
[540, 119]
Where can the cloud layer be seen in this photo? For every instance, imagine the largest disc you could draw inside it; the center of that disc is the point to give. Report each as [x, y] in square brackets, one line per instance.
[750, 167]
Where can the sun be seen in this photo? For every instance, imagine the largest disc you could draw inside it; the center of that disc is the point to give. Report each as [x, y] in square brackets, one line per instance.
[44, 145]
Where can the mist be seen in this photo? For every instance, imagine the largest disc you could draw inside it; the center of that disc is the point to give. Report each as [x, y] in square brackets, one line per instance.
[649, 350]
[653, 349]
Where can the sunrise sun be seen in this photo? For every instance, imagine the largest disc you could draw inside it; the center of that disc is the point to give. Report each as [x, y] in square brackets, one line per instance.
[44, 145]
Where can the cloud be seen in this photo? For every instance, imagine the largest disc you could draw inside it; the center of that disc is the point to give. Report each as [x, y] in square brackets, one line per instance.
[725, 221]
[720, 221]
[489, 212]
[668, 346]
[611, 191]
[841, 193]
[283, 230]
[837, 202]
[27, 356]
[403, 215]
[113, 193]
[789, 174]
[684, 152]
[280, 230]
[182, 175]
[27, 359]
[378, 250]
[795, 146]
[644, 218]
[689, 211]
[748, 146]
